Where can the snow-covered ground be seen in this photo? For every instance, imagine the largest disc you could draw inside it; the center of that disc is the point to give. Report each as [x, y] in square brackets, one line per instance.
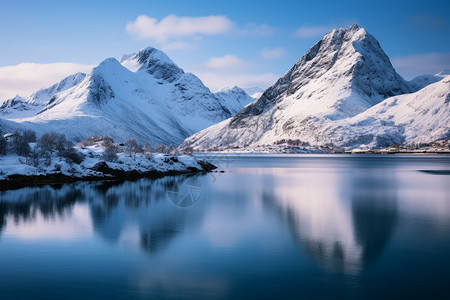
[156, 163]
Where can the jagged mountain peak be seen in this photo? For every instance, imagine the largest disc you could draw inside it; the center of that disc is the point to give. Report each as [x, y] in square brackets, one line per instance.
[233, 97]
[232, 90]
[154, 62]
[343, 74]
[12, 102]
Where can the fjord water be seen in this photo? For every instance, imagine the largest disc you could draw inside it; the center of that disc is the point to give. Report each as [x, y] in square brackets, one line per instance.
[270, 227]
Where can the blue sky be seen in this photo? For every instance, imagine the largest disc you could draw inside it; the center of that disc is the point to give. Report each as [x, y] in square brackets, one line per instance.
[226, 42]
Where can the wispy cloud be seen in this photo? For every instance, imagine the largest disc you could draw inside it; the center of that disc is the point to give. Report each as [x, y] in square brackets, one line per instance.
[272, 53]
[172, 26]
[175, 32]
[227, 62]
[26, 78]
[419, 64]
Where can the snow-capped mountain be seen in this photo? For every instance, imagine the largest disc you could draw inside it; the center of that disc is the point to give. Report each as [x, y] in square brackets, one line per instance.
[341, 76]
[17, 103]
[145, 96]
[18, 107]
[234, 98]
[422, 81]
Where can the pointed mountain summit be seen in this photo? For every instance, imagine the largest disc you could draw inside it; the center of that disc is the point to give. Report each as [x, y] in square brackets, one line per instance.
[341, 76]
[145, 96]
[234, 98]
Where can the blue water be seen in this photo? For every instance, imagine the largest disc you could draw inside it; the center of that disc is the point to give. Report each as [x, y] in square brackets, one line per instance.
[269, 227]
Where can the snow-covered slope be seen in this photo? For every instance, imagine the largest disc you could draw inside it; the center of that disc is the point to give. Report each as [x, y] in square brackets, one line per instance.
[144, 96]
[342, 75]
[43, 96]
[18, 107]
[233, 98]
[419, 117]
[422, 81]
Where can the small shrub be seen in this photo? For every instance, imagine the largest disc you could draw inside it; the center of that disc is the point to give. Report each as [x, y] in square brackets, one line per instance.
[72, 155]
[22, 148]
[33, 158]
[103, 141]
[148, 149]
[47, 141]
[61, 143]
[110, 154]
[162, 149]
[3, 144]
[132, 147]
[19, 145]
[29, 136]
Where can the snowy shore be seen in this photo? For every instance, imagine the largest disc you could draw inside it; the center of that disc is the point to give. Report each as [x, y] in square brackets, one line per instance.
[17, 171]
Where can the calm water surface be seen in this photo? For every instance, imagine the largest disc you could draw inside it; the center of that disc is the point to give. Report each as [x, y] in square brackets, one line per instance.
[270, 227]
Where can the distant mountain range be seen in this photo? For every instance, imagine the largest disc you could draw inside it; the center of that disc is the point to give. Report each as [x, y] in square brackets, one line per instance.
[343, 92]
[145, 96]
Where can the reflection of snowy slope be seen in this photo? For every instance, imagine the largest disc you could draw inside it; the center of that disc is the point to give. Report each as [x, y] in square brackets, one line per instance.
[337, 224]
[143, 217]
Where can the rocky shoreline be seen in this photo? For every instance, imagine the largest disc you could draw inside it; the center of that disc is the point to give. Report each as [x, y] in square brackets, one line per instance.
[103, 172]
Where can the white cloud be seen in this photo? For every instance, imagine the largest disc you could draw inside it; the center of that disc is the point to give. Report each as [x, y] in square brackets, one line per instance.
[419, 64]
[311, 31]
[175, 32]
[226, 62]
[26, 78]
[274, 53]
[173, 26]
